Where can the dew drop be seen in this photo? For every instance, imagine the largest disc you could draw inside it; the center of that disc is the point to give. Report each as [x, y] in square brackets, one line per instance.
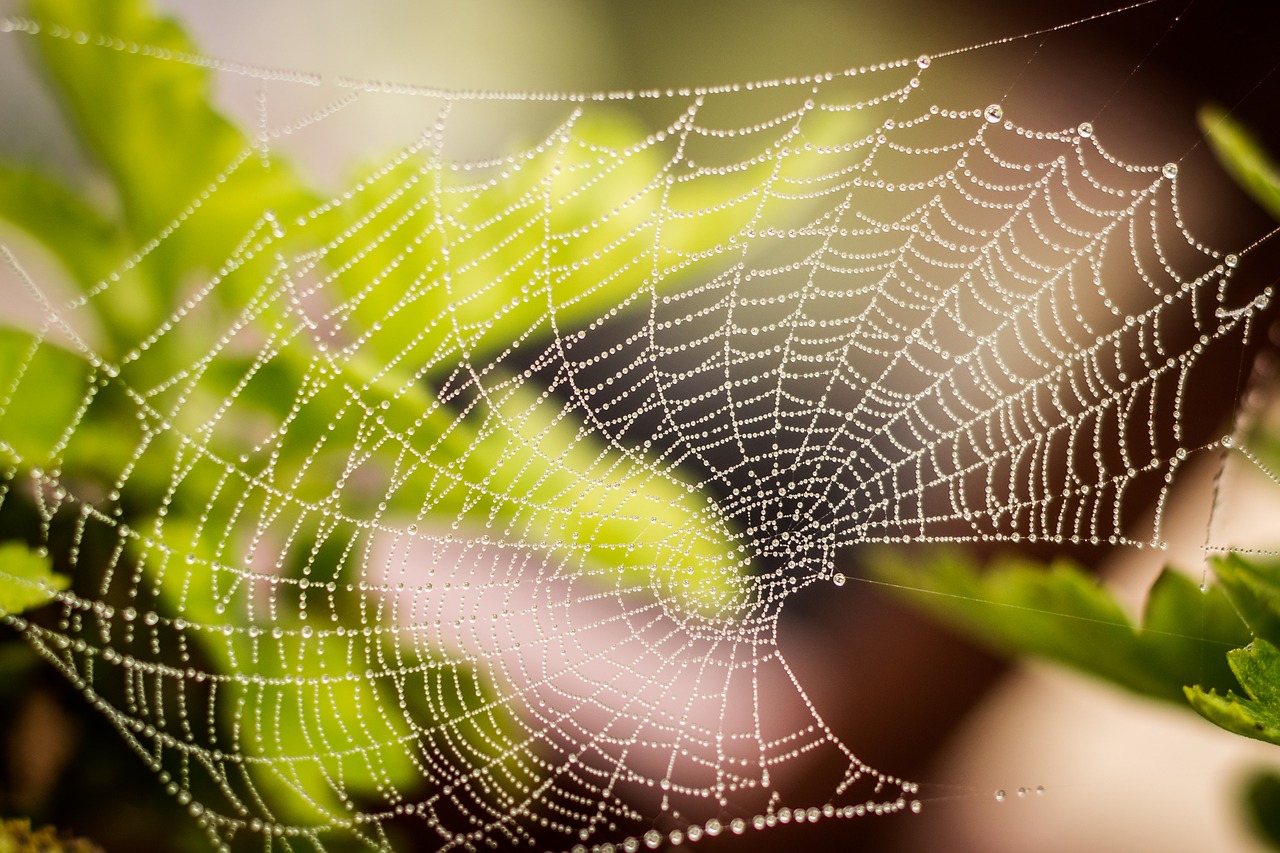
[1170, 170]
[923, 61]
[838, 579]
[994, 113]
[1085, 130]
[1232, 261]
[1000, 795]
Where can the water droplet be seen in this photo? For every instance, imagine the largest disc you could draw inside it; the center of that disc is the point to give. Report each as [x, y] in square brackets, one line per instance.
[1231, 261]
[838, 579]
[1085, 130]
[1170, 170]
[1000, 795]
[923, 61]
[994, 113]
[916, 806]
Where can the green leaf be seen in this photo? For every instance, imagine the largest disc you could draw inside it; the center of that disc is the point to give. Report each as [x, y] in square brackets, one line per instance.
[1257, 713]
[146, 118]
[462, 265]
[1254, 591]
[1063, 614]
[341, 714]
[42, 391]
[593, 492]
[27, 579]
[1243, 156]
[88, 243]
[441, 261]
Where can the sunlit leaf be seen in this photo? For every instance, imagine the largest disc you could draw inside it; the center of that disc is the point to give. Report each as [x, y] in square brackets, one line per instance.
[87, 242]
[42, 390]
[1254, 590]
[1243, 156]
[1256, 714]
[27, 579]
[1063, 614]
[133, 112]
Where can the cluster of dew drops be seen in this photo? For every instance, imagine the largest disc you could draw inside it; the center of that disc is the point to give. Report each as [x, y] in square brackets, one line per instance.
[654, 838]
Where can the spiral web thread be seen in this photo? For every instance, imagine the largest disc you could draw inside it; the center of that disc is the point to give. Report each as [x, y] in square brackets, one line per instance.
[461, 506]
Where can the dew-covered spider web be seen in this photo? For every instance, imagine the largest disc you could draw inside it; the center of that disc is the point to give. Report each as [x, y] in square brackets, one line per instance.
[461, 504]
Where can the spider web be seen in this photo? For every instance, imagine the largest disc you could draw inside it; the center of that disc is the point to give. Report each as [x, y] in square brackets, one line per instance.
[463, 504]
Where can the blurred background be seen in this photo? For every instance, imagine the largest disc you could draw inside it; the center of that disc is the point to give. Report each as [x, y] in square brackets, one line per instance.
[1118, 773]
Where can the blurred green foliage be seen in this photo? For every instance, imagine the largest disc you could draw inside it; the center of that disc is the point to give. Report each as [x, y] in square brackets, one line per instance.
[1243, 156]
[1062, 613]
[189, 192]
[17, 836]
[27, 579]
